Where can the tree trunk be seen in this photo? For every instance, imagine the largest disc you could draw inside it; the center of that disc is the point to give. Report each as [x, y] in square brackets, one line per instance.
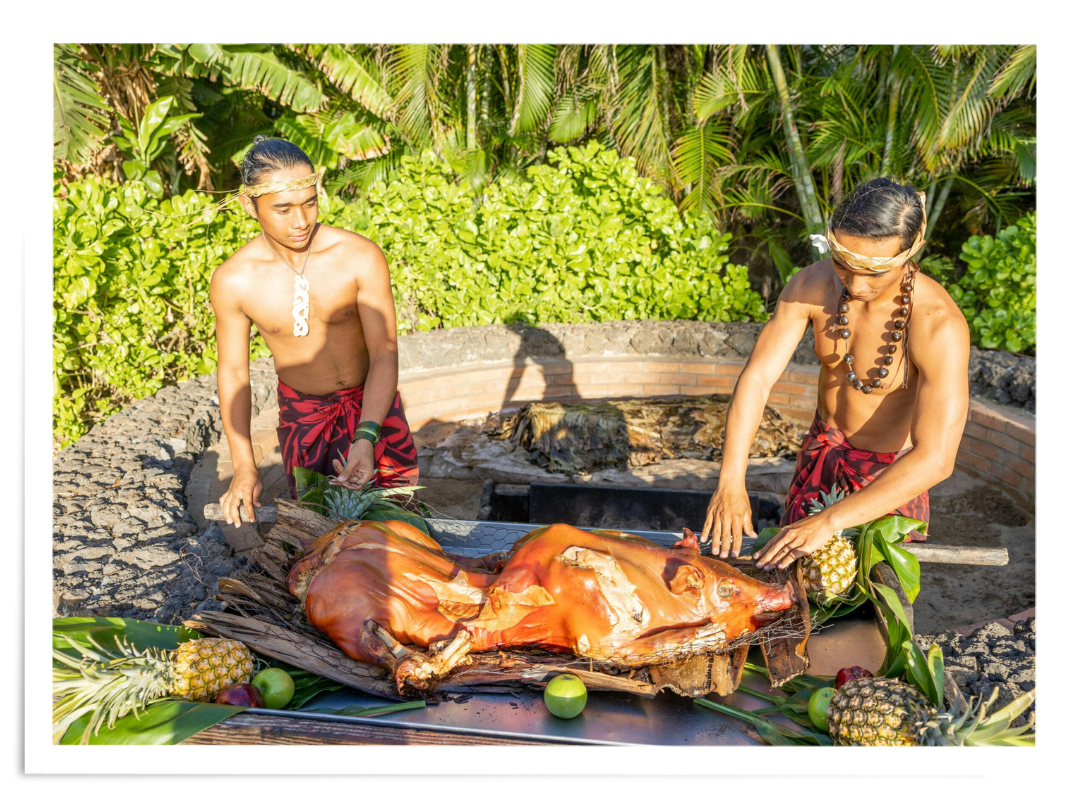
[470, 99]
[890, 125]
[804, 185]
[836, 175]
[939, 205]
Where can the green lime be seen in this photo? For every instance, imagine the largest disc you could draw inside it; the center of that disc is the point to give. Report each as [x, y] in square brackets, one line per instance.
[565, 696]
[819, 707]
[276, 685]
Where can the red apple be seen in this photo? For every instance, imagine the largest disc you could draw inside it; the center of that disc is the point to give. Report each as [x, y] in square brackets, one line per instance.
[850, 674]
[241, 694]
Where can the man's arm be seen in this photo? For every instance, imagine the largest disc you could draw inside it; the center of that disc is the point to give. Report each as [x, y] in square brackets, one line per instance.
[378, 318]
[233, 330]
[729, 517]
[941, 404]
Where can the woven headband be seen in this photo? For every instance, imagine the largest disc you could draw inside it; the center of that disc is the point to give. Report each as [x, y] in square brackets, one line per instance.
[858, 262]
[259, 189]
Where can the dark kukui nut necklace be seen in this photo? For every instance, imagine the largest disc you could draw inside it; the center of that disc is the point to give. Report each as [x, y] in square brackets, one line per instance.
[897, 334]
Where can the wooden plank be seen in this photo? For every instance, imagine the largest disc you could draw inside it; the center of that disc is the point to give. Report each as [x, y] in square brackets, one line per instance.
[927, 553]
[261, 729]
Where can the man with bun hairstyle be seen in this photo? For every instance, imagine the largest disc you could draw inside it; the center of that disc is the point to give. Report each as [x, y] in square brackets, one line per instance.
[321, 298]
[892, 394]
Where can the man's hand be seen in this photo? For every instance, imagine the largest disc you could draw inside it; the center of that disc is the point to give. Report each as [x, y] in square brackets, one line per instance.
[246, 488]
[797, 539]
[729, 519]
[359, 467]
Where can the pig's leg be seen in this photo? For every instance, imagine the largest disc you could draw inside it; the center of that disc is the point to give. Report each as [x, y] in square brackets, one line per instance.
[672, 645]
[420, 669]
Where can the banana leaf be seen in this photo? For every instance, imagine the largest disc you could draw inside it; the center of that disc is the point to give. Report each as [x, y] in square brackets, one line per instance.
[404, 516]
[164, 722]
[772, 733]
[103, 630]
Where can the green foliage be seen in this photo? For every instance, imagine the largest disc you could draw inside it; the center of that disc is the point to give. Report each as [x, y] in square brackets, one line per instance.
[131, 305]
[584, 239]
[144, 145]
[997, 293]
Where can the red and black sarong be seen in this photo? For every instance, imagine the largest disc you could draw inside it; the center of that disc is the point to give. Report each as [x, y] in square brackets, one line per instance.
[827, 459]
[314, 429]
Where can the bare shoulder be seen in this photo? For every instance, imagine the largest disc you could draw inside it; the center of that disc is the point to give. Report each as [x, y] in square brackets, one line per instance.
[811, 285]
[353, 251]
[232, 278]
[937, 325]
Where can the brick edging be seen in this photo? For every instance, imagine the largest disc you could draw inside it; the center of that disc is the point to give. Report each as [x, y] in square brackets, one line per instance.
[998, 445]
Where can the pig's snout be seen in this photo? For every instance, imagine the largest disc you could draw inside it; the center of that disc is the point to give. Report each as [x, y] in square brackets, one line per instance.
[777, 599]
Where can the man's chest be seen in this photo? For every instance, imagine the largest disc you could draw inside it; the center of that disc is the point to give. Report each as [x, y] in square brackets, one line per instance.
[875, 350]
[323, 299]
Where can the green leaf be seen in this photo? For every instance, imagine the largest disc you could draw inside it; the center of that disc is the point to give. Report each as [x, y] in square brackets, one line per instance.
[103, 630]
[153, 115]
[153, 181]
[919, 674]
[257, 68]
[413, 519]
[309, 485]
[164, 722]
[80, 115]
[765, 535]
[905, 565]
[935, 660]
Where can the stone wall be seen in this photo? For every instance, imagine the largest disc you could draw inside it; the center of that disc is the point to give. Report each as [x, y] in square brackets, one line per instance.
[125, 545]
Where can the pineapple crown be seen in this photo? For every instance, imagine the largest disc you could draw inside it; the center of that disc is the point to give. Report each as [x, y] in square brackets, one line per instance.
[104, 683]
[969, 724]
[833, 496]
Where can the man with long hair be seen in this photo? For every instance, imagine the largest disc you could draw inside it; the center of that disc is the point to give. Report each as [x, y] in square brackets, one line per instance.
[321, 298]
[892, 391]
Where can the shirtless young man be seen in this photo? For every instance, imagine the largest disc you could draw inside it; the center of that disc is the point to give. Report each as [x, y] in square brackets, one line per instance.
[321, 299]
[884, 437]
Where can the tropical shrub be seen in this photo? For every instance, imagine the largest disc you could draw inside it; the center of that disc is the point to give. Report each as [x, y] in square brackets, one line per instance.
[997, 292]
[585, 238]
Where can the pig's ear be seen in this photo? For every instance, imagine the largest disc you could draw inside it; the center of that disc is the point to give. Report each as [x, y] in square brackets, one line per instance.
[688, 542]
[687, 578]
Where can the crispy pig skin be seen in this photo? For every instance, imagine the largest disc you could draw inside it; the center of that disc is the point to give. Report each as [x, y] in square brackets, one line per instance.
[602, 594]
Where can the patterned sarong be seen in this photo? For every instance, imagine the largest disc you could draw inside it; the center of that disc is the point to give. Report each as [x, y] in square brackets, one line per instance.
[827, 458]
[314, 429]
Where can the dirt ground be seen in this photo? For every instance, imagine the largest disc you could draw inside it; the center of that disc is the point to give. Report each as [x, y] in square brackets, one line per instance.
[963, 511]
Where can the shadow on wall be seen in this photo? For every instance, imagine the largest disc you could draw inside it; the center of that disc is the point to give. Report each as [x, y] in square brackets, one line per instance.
[541, 363]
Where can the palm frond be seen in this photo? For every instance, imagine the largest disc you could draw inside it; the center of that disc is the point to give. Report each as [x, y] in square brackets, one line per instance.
[696, 154]
[258, 69]
[80, 115]
[572, 117]
[1017, 76]
[536, 64]
[640, 124]
[354, 74]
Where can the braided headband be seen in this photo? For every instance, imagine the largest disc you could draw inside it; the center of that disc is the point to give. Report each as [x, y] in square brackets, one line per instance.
[879, 264]
[259, 189]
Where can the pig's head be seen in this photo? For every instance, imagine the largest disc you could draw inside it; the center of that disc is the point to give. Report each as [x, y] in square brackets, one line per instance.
[735, 592]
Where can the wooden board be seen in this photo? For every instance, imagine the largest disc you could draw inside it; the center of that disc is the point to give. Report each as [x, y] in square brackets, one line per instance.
[259, 729]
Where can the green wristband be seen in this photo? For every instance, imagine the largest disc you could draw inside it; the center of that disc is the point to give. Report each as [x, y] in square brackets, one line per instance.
[368, 431]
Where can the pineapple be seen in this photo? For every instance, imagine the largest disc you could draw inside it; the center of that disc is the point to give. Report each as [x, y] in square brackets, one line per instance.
[885, 711]
[830, 571]
[109, 683]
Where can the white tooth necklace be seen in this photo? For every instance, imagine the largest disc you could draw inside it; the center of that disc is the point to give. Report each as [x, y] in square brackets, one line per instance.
[300, 308]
